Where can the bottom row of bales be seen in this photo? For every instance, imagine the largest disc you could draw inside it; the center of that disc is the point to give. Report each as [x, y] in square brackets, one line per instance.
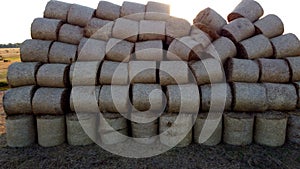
[240, 129]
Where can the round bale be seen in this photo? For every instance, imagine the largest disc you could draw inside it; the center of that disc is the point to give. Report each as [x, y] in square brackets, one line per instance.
[249, 9]
[80, 15]
[286, 46]
[270, 26]
[114, 73]
[293, 129]
[294, 64]
[53, 75]
[242, 70]
[57, 10]
[85, 73]
[62, 53]
[108, 11]
[274, 70]
[70, 34]
[45, 29]
[142, 71]
[35, 50]
[145, 133]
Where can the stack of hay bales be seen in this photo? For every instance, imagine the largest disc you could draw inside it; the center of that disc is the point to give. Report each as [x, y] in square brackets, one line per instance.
[103, 75]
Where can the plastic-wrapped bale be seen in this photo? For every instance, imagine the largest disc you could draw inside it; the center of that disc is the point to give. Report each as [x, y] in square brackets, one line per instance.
[85, 73]
[238, 30]
[149, 50]
[62, 53]
[53, 75]
[242, 70]
[274, 70]
[249, 9]
[70, 34]
[249, 97]
[99, 29]
[270, 129]
[145, 133]
[176, 28]
[108, 11]
[297, 85]
[157, 11]
[176, 130]
[18, 100]
[207, 71]
[113, 128]
[114, 98]
[255, 47]
[57, 10]
[281, 96]
[50, 101]
[132, 10]
[238, 128]
[35, 50]
[209, 21]
[20, 130]
[142, 71]
[221, 98]
[84, 99]
[286, 46]
[119, 50]
[270, 26]
[126, 29]
[51, 130]
[222, 49]
[114, 73]
[22, 73]
[80, 15]
[208, 129]
[183, 98]
[293, 128]
[173, 72]
[81, 129]
[294, 64]
[152, 30]
[45, 29]
[91, 50]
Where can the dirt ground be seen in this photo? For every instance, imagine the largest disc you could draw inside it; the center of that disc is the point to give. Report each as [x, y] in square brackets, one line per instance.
[195, 156]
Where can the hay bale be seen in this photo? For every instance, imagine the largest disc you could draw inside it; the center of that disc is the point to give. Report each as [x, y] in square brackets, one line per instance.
[35, 50]
[221, 49]
[157, 11]
[218, 98]
[270, 129]
[53, 75]
[183, 98]
[132, 10]
[293, 128]
[70, 34]
[270, 26]
[114, 73]
[126, 29]
[81, 129]
[249, 97]
[45, 29]
[238, 30]
[207, 71]
[212, 130]
[294, 64]
[281, 96]
[114, 98]
[238, 128]
[274, 70]
[18, 100]
[242, 70]
[91, 50]
[149, 50]
[20, 131]
[51, 130]
[176, 28]
[286, 45]
[57, 10]
[142, 71]
[249, 9]
[80, 15]
[98, 29]
[173, 72]
[108, 11]
[144, 133]
[85, 73]
[209, 21]
[84, 99]
[176, 130]
[255, 47]
[50, 101]
[152, 30]
[62, 53]
[200, 36]
[22, 73]
[119, 50]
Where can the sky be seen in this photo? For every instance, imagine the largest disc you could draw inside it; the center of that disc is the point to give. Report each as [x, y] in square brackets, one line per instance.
[17, 15]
